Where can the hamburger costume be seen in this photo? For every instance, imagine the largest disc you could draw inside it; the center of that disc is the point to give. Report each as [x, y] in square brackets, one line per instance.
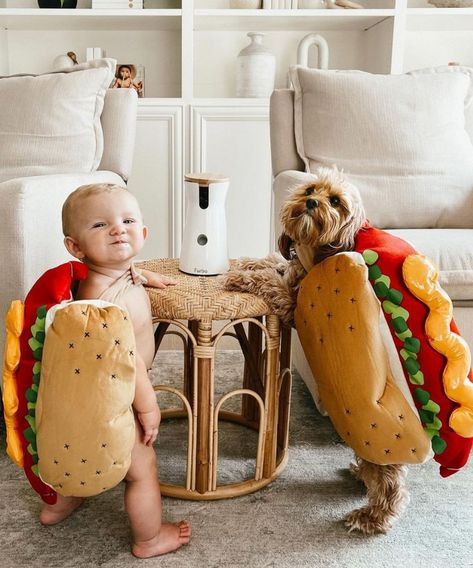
[390, 366]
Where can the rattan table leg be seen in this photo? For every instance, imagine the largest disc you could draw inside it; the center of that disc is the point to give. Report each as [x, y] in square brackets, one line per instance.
[159, 335]
[203, 358]
[253, 372]
[285, 383]
[188, 386]
[271, 392]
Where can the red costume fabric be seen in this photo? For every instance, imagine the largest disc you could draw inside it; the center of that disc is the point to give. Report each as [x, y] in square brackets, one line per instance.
[53, 287]
[451, 450]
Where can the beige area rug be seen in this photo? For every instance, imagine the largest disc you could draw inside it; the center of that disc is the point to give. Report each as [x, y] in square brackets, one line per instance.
[294, 522]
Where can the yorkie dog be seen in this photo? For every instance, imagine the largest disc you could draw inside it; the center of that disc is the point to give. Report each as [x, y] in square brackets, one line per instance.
[319, 219]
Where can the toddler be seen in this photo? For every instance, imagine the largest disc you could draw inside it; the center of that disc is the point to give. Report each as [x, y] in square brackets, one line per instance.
[103, 228]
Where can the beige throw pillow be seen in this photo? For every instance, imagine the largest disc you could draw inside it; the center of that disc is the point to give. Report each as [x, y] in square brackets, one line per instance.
[50, 124]
[400, 139]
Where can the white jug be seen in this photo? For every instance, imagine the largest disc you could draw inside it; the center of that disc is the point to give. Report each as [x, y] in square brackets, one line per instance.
[204, 249]
[256, 68]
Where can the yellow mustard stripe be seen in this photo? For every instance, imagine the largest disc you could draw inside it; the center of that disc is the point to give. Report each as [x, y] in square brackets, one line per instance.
[421, 277]
[14, 326]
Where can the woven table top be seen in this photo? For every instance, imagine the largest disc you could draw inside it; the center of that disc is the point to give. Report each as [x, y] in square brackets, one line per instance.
[200, 298]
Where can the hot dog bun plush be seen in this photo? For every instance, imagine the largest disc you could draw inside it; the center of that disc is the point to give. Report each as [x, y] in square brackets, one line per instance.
[85, 428]
[55, 387]
[391, 368]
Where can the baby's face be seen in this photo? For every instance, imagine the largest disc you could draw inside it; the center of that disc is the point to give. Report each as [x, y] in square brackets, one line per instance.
[109, 229]
[125, 73]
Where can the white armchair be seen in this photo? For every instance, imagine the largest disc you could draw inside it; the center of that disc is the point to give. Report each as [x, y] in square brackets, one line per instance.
[405, 141]
[30, 207]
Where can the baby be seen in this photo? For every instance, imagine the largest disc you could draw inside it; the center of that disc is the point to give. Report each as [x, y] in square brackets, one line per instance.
[124, 80]
[103, 228]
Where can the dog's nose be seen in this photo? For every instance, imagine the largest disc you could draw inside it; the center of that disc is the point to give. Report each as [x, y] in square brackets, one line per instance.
[312, 203]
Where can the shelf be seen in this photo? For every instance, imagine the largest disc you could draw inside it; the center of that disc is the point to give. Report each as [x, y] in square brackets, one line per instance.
[232, 102]
[288, 20]
[439, 19]
[86, 19]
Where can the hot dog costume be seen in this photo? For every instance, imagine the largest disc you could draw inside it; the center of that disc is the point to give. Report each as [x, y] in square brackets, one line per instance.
[390, 366]
[68, 388]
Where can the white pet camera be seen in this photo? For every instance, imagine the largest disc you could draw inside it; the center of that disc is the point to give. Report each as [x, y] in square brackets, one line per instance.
[204, 249]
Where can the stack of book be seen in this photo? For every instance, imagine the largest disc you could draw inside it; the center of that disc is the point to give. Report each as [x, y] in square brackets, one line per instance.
[279, 4]
[116, 4]
[94, 53]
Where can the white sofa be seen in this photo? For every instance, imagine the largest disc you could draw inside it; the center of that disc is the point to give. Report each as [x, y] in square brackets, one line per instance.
[31, 238]
[442, 228]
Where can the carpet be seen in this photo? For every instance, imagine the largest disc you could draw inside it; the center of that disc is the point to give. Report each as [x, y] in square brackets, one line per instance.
[296, 521]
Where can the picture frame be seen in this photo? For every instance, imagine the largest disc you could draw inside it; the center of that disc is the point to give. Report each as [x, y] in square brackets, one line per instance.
[130, 76]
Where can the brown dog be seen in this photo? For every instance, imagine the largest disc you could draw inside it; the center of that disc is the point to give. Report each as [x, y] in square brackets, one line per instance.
[320, 219]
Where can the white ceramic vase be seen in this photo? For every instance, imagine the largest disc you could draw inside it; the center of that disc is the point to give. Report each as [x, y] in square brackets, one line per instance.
[256, 68]
[64, 61]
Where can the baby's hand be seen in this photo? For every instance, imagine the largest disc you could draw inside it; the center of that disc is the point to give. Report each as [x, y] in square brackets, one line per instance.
[150, 423]
[158, 280]
[161, 281]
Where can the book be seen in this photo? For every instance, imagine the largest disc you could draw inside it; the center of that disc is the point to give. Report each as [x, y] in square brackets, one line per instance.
[94, 53]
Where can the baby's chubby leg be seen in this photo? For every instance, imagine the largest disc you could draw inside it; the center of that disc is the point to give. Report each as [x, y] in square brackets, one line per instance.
[151, 537]
[64, 506]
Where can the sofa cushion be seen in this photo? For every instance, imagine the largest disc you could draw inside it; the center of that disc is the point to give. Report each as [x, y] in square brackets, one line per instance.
[400, 139]
[452, 251]
[50, 124]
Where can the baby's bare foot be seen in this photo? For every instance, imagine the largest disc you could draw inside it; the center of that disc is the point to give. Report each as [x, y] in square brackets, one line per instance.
[170, 537]
[64, 506]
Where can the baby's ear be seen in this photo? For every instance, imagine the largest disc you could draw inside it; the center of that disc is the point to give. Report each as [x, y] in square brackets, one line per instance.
[73, 248]
[145, 232]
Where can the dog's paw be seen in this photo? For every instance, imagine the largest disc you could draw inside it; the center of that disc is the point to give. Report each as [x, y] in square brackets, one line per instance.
[274, 260]
[237, 281]
[368, 520]
[247, 263]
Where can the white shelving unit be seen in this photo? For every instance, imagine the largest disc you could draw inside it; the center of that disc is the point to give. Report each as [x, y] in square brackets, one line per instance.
[189, 51]
[190, 118]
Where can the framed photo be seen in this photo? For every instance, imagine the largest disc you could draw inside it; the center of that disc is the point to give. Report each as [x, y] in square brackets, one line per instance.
[130, 76]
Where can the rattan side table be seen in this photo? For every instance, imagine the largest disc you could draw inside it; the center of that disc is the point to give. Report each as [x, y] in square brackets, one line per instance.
[193, 305]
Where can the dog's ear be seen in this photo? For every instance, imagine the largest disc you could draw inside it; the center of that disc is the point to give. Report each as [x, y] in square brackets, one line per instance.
[285, 245]
[346, 236]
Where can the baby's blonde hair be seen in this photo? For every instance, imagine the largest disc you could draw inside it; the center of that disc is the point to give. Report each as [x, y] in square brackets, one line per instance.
[77, 196]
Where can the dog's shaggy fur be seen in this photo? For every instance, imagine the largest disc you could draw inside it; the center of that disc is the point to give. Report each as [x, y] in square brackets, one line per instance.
[322, 217]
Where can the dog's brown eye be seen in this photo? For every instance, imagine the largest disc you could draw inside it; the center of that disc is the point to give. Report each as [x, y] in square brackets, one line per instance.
[309, 190]
[334, 200]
